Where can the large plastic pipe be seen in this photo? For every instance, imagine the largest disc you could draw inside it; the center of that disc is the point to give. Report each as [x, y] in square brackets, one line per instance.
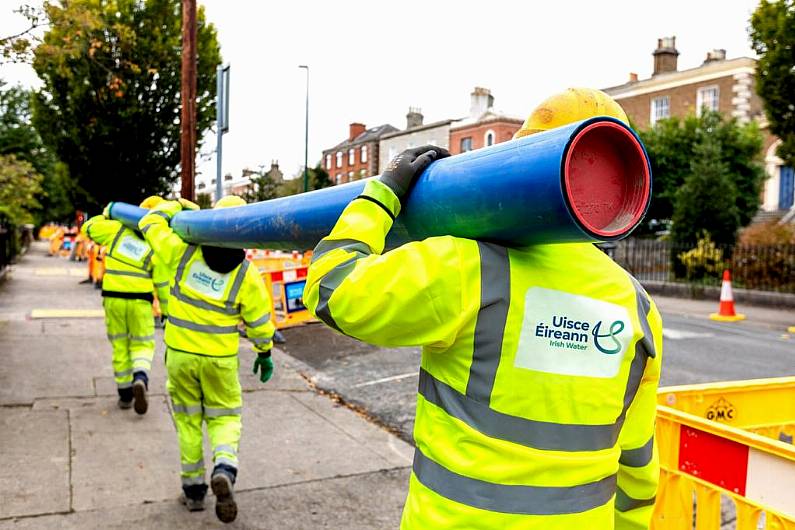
[589, 181]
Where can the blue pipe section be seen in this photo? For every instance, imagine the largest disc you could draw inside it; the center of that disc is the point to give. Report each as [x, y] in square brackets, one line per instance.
[511, 193]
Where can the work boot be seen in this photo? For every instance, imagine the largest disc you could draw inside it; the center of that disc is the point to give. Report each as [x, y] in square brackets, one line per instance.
[193, 497]
[125, 398]
[223, 485]
[139, 387]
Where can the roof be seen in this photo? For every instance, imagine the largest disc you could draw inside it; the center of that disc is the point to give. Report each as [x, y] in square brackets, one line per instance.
[711, 70]
[490, 115]
[419, 128]
[370, 135]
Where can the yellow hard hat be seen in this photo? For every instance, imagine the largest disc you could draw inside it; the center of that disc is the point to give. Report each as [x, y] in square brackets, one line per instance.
[151, 201]
[573, 104]
[228, 202]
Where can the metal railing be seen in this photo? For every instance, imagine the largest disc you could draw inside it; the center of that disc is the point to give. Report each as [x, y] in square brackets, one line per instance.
[758, 267]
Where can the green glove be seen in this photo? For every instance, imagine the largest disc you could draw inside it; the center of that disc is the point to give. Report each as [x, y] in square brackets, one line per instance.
[106, 211]
[264, 363]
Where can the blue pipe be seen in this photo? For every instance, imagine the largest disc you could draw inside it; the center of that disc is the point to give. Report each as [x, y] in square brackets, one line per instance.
[536, 189]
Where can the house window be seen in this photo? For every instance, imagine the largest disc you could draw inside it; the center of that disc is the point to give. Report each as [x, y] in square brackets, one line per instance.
[363, 155]
[350, 176]
[466, 144]
[392, 152]
[328, 161]
[362, 173]
[489, 138]
[351, 156]
[786, 183]
[708, 97]
[339, 158]
[338, 178]
[660, 109]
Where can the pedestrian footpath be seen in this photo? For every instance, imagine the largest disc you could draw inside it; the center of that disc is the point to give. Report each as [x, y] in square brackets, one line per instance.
[72, 459]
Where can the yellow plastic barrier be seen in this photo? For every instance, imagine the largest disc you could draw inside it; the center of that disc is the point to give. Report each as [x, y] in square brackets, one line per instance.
[731, 440]
[287, 296]
[268, 260]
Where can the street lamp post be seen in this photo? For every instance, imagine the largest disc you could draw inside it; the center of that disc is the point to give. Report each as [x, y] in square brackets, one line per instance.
[306, 132]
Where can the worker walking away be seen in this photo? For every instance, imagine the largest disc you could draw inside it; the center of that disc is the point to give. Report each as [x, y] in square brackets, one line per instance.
[213, 290]
[127, 298]
[539, 366]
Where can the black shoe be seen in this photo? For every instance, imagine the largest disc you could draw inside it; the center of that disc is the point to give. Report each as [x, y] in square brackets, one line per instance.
[139, 393]
[225, 505]
[193, 505]
[124, 405]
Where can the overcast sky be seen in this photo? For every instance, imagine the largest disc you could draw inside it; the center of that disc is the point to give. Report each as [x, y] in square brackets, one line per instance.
[369, 61]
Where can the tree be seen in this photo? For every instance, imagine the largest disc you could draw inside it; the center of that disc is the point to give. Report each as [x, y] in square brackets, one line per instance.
[317, 178]
[673, 145]
[18, 137]
[707, 204]
[110, 102]
[772, 33]
[20, 184]
[204, 201]
[262, 188]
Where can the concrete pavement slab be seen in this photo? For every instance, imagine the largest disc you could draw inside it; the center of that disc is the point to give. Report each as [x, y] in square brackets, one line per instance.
[368, 501]
[34, 477]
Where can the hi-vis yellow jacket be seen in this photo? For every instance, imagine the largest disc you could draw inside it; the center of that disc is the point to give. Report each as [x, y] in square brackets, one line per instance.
[204, 306]
[129, 261]
[538, 378]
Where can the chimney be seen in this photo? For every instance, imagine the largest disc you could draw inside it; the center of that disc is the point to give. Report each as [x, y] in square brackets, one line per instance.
[482, 100]
[718, 54]
[355, 130]
[414, 117]
[633, 77]
[665, 55]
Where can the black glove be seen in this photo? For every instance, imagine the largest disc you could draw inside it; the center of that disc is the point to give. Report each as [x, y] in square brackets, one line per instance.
[404, 168]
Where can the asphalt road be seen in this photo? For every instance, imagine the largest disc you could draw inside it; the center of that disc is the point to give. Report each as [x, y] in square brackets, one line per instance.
[382, 383]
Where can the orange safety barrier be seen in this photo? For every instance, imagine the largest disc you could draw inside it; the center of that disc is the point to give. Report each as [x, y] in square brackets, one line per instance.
[96, 263]
[287, 296]
[730, 441]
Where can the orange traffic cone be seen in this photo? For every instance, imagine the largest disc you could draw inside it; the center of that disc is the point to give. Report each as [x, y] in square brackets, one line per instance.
[726, 311]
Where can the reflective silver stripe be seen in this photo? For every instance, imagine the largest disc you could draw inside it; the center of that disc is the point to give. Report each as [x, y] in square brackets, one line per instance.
[328, 284]
[260, 321]
[115, 240]
[184, 261]
[127, 384]
[160, 285]
[638, 457]
[117, 336]
[530, 433]
[164, 215]
[192, 481]
[186, 409]
[327, 245]
[129, 273]
[241, 274]
[503, 498]
[204, 328]
[625, 503]
[123, 374]
[643, 314]
[260, 342]
[210, 412]
[495, 295]
[148, 258]
[198, 466]
[224, 448]
[201, 304]
[142, 338]
[144, 359]
[146, 228]
[227, 461]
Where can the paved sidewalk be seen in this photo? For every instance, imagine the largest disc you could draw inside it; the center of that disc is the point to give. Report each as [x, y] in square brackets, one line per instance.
[72, 459]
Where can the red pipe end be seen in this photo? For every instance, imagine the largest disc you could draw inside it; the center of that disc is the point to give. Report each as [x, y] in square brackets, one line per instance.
[606, 179]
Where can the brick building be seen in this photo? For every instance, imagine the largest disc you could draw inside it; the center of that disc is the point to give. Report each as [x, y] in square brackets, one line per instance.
[415, 134]
[358, 156]
[724, 85]
[484, 126]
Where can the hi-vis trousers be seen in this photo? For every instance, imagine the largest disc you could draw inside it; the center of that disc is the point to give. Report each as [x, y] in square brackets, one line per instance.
[204, 388]
[131, 331]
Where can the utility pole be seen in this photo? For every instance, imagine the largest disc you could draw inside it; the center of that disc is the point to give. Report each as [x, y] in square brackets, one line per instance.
[306, 132]
[221, 123]
[187, 143]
